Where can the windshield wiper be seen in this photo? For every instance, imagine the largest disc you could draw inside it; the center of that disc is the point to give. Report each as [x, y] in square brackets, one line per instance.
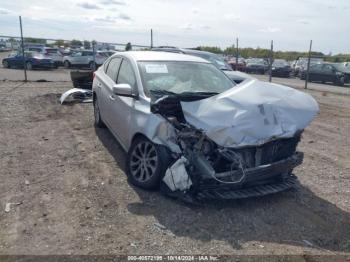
[162, 92]
[198, 93]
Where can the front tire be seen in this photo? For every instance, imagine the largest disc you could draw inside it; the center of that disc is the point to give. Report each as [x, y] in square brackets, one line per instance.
[66, 64]
[146, 163]
[340, 81]
[29, 66]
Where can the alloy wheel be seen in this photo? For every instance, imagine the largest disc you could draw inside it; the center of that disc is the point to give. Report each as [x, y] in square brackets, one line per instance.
[143, 161]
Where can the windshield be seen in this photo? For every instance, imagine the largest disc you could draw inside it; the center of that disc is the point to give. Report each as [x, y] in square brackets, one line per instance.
[280, 63]
[183, 77]
[217, 61]
[256, 61]
[51, 51]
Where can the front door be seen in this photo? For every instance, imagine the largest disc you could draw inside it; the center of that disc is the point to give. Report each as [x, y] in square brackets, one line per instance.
[121, 107]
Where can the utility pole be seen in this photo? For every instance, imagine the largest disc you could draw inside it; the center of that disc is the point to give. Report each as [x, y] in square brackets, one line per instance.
[270, 62]
[236, 67]
[22, 47]
[94, 55]
[308, 66]
[151, 38]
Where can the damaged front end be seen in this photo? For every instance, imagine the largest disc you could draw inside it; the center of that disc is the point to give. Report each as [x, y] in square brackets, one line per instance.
[206, 170]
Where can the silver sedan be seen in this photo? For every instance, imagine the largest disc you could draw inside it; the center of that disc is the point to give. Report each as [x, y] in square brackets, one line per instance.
[186, 126]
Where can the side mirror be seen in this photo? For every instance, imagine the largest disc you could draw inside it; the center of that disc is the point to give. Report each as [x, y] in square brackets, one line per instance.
[123, 90]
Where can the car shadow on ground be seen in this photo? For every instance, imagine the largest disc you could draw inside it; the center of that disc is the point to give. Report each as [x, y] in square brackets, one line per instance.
[297, 217]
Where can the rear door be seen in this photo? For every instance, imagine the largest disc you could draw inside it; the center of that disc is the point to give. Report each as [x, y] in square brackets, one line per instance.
[121, 107]
[328, 73]
[104, 87]
[315, 73]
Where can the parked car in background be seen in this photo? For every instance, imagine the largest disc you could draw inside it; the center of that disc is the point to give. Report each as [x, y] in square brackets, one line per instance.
[55, 55]
[216, 60]
[335, 73]
[189, 130]
[301, 64]
[84, 58]
[281, 68]
[256, 65]
[32, 60]
[240, 66]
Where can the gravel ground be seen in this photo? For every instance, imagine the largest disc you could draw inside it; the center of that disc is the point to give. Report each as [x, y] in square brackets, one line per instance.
[70, 195]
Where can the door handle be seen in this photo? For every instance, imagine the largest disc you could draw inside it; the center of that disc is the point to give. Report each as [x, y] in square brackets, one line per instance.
[112, 97]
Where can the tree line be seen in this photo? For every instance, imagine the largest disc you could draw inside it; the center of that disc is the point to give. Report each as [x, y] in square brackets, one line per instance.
[231, 50]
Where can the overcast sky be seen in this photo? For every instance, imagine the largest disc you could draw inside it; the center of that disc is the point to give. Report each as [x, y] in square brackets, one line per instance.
[186, 23]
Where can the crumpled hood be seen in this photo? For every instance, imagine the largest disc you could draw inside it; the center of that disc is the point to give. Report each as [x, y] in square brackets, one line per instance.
[252, 113]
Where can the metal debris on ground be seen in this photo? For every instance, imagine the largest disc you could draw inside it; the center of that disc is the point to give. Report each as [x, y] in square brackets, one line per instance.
[77, 94]
[8, 206]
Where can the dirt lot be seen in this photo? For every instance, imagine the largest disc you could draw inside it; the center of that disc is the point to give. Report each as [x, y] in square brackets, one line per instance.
[72, 195]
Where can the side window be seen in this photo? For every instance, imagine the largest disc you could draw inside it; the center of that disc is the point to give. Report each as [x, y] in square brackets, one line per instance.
[126, 74]
[113, 67]
[87, 53]
[327, 68]
[316, 67]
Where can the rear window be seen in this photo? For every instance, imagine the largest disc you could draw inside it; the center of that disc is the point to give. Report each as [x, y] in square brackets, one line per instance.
[51, 51]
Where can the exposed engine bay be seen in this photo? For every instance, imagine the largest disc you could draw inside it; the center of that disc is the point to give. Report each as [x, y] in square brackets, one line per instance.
[205, 169]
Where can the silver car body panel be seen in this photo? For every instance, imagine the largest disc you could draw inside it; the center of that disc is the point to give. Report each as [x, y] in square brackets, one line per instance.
[242, 108]
[251, 114]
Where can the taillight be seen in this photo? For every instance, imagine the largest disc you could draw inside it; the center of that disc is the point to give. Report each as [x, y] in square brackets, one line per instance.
[93, 75]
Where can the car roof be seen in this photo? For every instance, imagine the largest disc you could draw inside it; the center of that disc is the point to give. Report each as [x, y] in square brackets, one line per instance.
[183, 50]
[194, 51]
[161, 56]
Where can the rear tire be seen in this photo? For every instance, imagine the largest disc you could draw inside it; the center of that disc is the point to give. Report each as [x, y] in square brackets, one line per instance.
[6, 64]
[97, 115]
[146, 163]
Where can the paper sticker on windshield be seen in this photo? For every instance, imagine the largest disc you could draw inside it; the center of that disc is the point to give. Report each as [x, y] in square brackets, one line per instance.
[156, 69]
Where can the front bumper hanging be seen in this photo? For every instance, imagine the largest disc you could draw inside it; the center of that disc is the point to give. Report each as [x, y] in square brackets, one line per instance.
[258, 181]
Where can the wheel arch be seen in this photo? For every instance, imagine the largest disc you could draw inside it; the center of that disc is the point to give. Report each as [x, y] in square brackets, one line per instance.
[94, 97]
[138, 135]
